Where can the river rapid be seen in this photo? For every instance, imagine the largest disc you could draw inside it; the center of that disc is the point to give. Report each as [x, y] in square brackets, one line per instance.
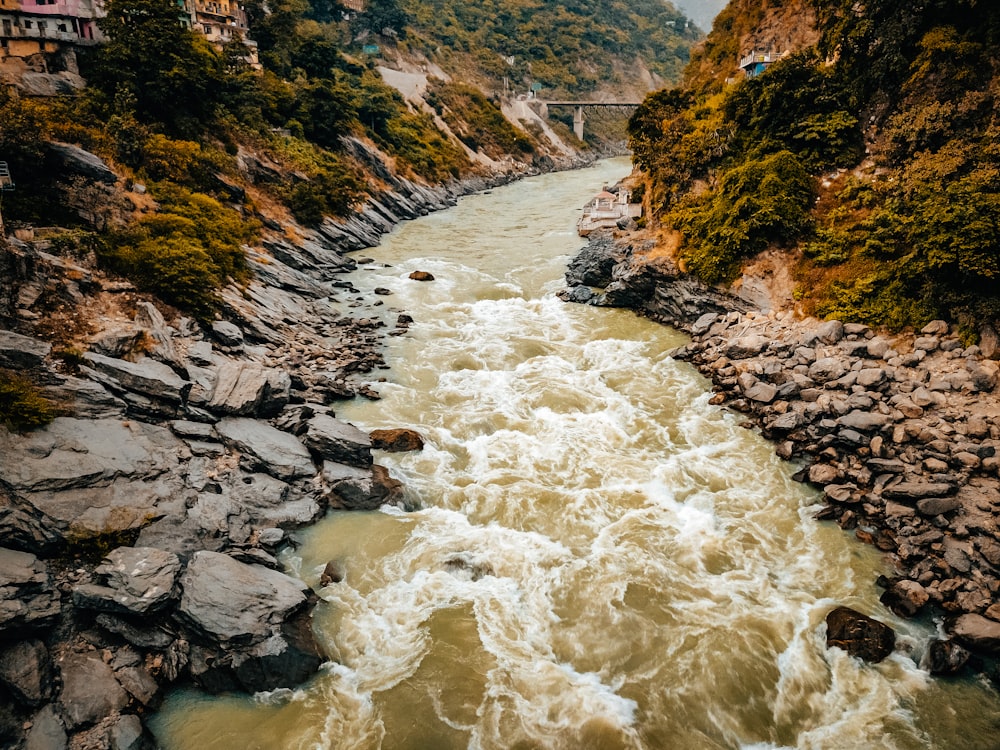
[598, 558]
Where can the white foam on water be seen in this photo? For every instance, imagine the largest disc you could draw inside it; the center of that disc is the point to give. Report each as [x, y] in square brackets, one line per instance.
[602, 558]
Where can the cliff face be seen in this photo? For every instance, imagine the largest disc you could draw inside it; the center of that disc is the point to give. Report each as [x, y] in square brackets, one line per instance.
[863, 157]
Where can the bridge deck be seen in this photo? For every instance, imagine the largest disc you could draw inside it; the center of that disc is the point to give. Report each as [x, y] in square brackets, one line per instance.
[589, 104]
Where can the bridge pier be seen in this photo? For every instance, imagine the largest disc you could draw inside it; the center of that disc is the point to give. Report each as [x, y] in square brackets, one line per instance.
[578, 122]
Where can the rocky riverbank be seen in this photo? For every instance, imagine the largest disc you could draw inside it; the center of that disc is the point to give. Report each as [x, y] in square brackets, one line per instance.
[900, 432]
[140, 528]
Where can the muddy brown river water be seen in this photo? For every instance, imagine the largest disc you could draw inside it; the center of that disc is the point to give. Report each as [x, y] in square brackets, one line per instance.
[600, 558]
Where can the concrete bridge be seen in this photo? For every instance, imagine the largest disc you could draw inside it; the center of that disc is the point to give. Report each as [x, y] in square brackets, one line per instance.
[542, 107]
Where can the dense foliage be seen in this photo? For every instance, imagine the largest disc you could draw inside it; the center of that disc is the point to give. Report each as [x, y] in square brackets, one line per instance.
[563, 45]
[22, 407]
[896, 236]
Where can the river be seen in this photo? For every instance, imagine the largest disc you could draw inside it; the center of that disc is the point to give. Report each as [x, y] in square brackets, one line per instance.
[599, 557]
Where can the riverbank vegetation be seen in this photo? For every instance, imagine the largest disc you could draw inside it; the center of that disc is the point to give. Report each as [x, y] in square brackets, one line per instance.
[872, 155]
[178, 117]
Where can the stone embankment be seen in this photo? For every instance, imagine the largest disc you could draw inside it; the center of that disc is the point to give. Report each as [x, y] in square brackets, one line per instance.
[139, 530]
[900, 432]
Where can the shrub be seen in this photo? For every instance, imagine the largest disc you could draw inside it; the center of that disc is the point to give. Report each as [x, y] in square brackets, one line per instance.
[22, 407]
[755, 204]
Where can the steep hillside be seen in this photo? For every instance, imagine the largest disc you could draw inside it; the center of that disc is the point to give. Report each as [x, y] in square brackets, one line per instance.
[867, 153]
[343, 103]
[563, 48]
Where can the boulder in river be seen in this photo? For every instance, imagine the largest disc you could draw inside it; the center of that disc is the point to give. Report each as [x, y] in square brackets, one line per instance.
[422, 276]
[859, 635]
[335, 440]
[398, 440]
[946, 657]
[978, 632]
[249, 622]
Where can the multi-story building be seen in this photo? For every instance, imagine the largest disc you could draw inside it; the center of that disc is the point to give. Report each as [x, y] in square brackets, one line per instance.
[37, 35]
[33, 32]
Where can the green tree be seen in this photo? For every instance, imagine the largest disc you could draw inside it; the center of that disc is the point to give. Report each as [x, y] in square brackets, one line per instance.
[173, 75]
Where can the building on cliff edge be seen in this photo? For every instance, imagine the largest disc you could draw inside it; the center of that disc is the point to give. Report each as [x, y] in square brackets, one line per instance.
[39, 38]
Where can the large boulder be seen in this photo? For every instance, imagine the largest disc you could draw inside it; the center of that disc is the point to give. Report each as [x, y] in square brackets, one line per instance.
[859, 635]
[247, 389]
[139, 581]
[75, 160]
[21, 352]
[334, 440]
[26, 671]
[145, 376]
[278, 453]
[593, 265]
[72, 453]
[396, 440]
[28, 600]
[249, 623]
[90, 691]
[978, 633]
[355, 488]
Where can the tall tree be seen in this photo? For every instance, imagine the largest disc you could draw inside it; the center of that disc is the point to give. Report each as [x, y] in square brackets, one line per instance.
[174, 75]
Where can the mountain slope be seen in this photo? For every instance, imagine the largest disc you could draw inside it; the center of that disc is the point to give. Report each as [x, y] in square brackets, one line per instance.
[868, 152]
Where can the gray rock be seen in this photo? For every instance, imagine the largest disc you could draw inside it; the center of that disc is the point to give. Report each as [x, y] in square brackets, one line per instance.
[139, 581]
[26, 670]
[28, 601]
[247, 389]
[85, 399]
[830, 332]
[250, 624]
[273, 451]
[126, 733]
[747, 346]
[825, 369]
[227, 333]
[228, 601]
[138, 683]
[762, 392]
[47, 731]
[354, 488]
[978, 633]
[935, 328]
[864, 421]
[152, 322]
[935, 506]
[19, 352]
[703, 323]
[918, 490]
[196, 430]
[877, 347]
[146, 376]
[74, 159]
[90, 691]
[334, 440]
[593, 265]
[200, 353]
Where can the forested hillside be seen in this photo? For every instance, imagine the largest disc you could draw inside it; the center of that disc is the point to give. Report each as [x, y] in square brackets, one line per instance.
[869, 152]
[569, 47]
[214, 141]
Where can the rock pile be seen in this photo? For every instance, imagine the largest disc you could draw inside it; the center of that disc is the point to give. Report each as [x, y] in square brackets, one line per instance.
[899, 432]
